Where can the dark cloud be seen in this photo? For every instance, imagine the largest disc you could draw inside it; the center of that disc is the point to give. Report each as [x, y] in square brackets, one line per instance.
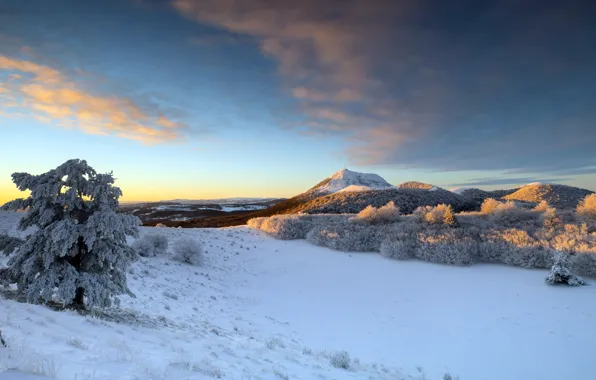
[492, 181]
[465, 85]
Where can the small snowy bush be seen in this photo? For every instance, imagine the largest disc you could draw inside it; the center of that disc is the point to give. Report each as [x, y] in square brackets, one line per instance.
[560, 273]
[490, 205]
[340, 359]
[549, 217]
[151, 245]
[542, 206]
[286, 227]
[587, 207]
[369, 214]
[256, 223]
[189, 251]
[388, 213]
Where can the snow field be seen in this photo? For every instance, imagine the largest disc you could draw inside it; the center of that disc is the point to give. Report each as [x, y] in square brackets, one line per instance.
[267, 309]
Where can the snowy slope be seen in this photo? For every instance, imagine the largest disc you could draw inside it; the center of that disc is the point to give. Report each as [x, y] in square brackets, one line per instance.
[347, 180]
[268, 309]
[460, 190]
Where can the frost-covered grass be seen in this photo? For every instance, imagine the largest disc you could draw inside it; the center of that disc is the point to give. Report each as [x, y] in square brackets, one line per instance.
[230, 319]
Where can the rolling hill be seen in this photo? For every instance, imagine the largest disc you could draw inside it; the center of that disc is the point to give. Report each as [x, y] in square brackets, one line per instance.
[559, 196]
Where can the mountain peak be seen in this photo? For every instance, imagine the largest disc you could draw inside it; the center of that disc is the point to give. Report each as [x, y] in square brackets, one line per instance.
[346, 180]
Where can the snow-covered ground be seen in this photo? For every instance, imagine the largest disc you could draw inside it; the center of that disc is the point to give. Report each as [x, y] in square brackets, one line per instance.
[267, 309]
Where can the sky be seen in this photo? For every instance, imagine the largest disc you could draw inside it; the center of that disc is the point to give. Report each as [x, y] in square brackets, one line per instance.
[264, 98]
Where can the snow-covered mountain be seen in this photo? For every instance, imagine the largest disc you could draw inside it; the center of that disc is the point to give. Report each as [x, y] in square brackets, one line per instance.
[348, 181]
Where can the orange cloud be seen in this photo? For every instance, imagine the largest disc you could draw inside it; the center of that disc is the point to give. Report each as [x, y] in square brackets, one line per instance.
[52, 97]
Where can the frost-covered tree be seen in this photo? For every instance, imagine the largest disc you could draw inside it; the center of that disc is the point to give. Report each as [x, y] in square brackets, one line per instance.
[448, 217]
[78, 255]
[561, 274]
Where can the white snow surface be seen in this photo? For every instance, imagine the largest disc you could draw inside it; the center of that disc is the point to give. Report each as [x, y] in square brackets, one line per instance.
[347, 180]
[267, 309]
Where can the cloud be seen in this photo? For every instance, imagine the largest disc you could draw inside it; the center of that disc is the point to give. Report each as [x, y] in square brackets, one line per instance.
[50, 96]
[491, 181]
[433, 85]
[220, 39]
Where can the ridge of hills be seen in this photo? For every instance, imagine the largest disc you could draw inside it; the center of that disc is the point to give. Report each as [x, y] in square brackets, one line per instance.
[349, 192]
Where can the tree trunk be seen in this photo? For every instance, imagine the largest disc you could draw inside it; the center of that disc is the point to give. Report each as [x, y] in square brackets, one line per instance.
[79, 300]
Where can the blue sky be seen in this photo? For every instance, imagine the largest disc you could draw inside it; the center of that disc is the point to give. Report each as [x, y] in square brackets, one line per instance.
[221, 98]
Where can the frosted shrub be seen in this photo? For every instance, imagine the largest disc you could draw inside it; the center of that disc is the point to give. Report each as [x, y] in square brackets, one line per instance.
[587, 207]
[340, 360]
[188, 251]
[255, 223]
[286, 227]
[447, 247]
[560, 273]
[399, 246]
[520, 249]
[574, 239]
[549, 217]
[389, 212]
[490, 205]
[439, 214]
[435, 214]
[542, 206]
[584, 264]
[151, 245]
[349, 238]
[323, 237]
[8, 244]
[369, 215]
[78, 255]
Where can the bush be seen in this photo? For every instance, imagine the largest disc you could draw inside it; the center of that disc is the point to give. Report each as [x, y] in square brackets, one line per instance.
[255, 223]
[587, 207]
[490, 205]
[388, 213]
[286, 227]
[542, 206]
[369, 215]
[151, 245]
[340, 360]
[549, 217]
[439, 214]
[452, 247]
[399, 247]
[189, 251]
